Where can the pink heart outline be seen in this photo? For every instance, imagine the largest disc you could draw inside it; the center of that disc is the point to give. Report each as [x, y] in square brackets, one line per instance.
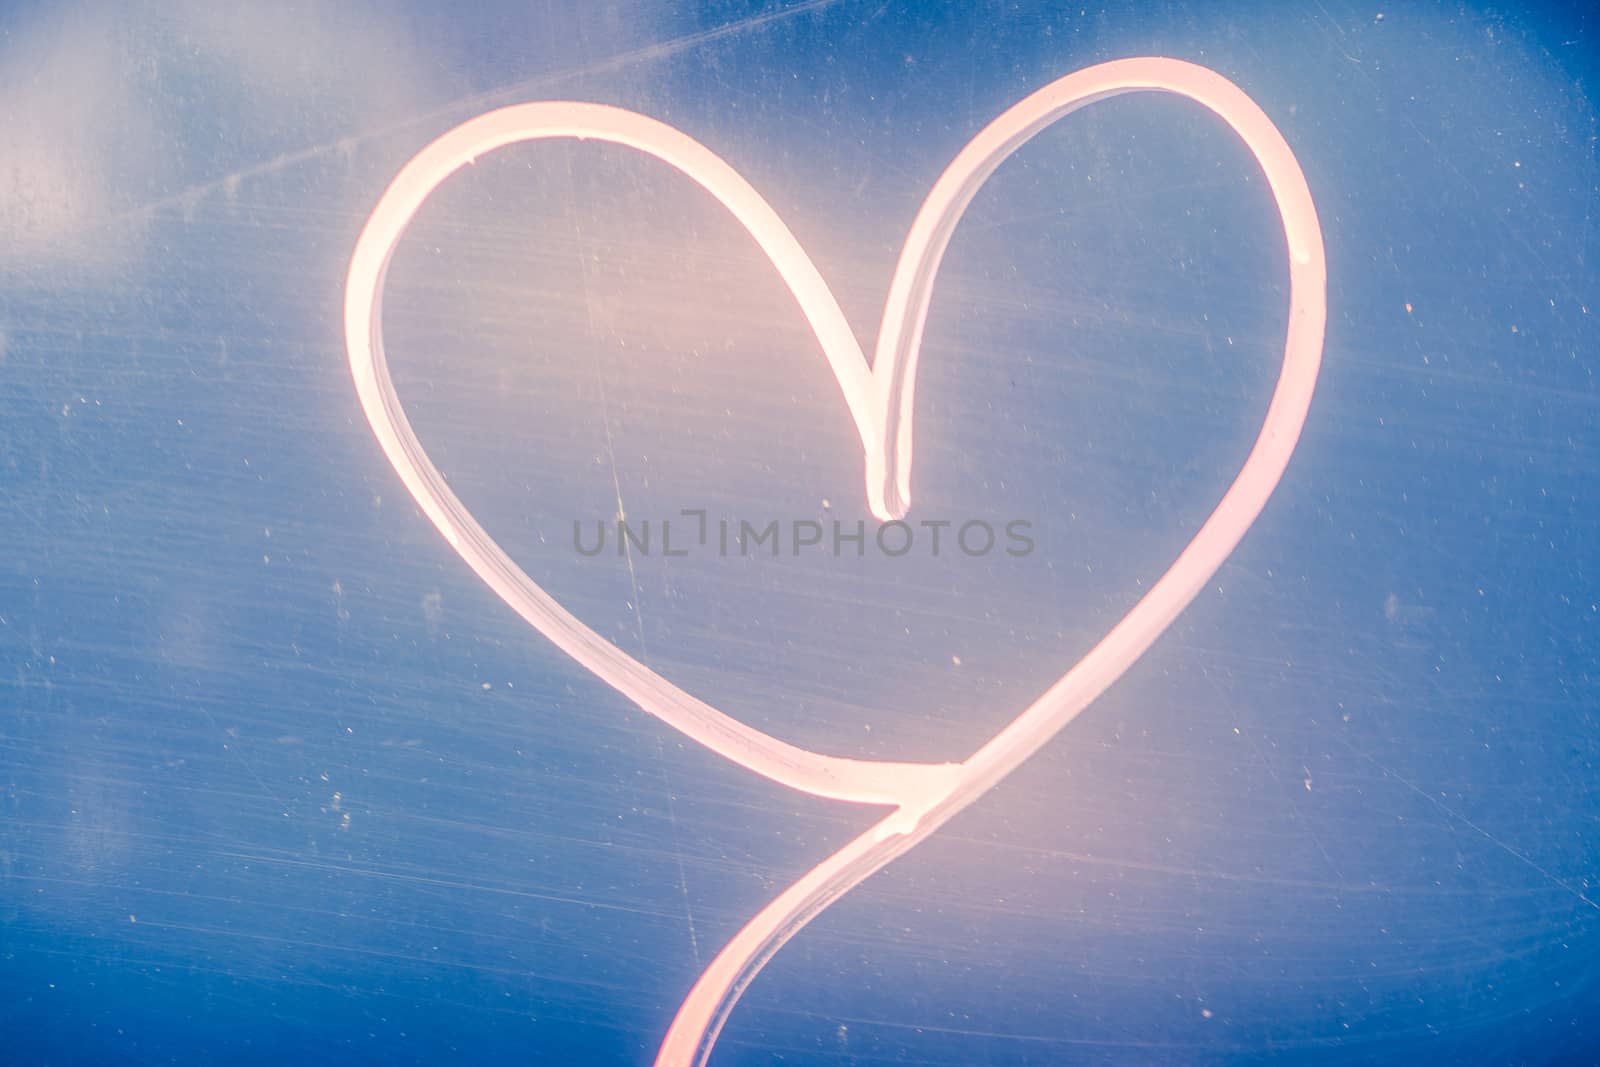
[880, 400]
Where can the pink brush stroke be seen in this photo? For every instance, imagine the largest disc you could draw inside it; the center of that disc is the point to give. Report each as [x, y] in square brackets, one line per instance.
[880, 400]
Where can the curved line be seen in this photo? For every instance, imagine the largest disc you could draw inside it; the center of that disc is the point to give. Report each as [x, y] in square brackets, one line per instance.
[838, 778]
[906, 307]
[881, 401]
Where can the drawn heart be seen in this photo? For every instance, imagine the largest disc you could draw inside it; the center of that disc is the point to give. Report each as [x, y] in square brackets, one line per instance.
[880, 400]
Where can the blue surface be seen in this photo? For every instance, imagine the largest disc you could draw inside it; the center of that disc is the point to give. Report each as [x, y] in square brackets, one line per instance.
[283, 782]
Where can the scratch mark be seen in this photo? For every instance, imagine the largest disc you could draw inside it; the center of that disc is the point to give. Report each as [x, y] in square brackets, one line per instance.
[592, 311]
[229, 184]
[1464, 821]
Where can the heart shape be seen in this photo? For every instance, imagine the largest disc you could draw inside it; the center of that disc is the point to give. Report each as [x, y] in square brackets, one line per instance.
[880, 400]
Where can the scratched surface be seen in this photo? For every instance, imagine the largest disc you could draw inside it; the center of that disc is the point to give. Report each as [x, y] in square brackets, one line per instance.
[282, 781]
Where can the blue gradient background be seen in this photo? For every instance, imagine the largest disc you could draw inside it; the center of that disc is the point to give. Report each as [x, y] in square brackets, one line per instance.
[281, 781]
